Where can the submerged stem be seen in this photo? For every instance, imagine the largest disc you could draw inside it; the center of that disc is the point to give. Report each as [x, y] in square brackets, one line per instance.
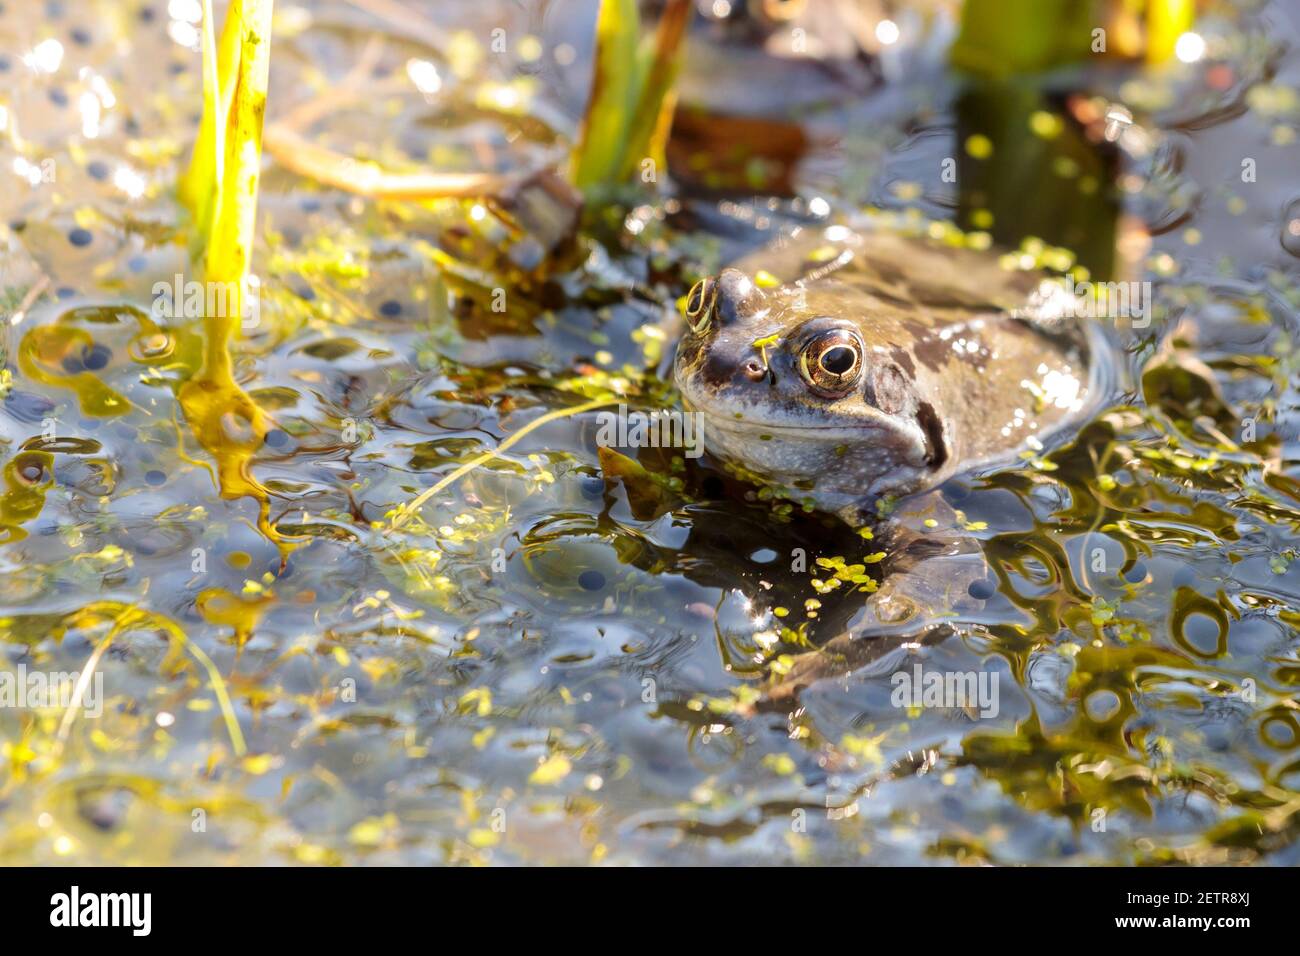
[405, 512]
[124, 616]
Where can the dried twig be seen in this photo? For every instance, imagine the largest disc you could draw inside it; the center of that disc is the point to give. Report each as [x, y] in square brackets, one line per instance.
[368, 179]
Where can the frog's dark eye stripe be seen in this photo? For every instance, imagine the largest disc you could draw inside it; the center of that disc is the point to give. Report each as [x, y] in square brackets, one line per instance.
[832, 362]
[699, 304]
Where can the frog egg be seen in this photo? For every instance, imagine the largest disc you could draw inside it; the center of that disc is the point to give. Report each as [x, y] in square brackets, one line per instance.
[151, 346]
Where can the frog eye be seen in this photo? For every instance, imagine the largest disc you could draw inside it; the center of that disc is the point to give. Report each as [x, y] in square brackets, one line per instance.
[832, 362]
[699, 304]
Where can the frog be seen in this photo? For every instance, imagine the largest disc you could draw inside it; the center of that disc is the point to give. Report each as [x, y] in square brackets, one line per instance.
[858, 370]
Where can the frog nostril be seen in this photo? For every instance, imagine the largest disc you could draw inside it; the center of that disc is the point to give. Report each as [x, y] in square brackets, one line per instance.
[753, 370]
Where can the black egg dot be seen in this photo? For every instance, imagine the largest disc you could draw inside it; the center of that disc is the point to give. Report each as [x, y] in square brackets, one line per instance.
[306, 293]
[146, 14]
[98, 169]
[277, 438]
[4, 64]
[58, 96]
[155, 477]
[981, 590]
[955, 491]
[80, 237]
[838, 360]
[591, 580]
[18, 225]
[72, 364]
[137, 263]
[64, 292]
[310, 204]
[96, 357]
[80, 36]
[593, 487]
[390, 309]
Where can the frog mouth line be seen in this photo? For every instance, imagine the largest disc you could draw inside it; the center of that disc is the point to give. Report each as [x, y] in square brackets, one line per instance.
[728, 423]
[749, 424]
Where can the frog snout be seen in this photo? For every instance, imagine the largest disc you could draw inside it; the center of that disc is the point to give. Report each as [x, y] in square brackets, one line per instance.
[738, 297]
[721, 371]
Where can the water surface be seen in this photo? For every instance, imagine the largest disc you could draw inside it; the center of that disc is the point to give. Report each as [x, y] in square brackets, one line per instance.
[547, 663]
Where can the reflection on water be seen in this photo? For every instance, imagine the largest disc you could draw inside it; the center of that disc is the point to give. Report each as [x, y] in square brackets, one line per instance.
[553, 658]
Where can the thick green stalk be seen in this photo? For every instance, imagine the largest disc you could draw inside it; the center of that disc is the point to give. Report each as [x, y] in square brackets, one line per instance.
[220, 189]
[631, 95]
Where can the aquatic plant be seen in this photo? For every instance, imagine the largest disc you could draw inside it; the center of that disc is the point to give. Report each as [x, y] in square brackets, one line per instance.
[220, 190]
[632, 97]
[403, 513]
[1009, 37]
[220, 185]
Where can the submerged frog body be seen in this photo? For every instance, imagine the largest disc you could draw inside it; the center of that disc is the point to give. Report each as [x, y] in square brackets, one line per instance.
[846, 366]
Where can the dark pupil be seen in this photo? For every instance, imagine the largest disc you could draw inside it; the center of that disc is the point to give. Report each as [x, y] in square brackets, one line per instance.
[838, 360]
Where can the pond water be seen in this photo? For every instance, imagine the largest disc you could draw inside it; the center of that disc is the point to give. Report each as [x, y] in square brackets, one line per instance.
[548, 660]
